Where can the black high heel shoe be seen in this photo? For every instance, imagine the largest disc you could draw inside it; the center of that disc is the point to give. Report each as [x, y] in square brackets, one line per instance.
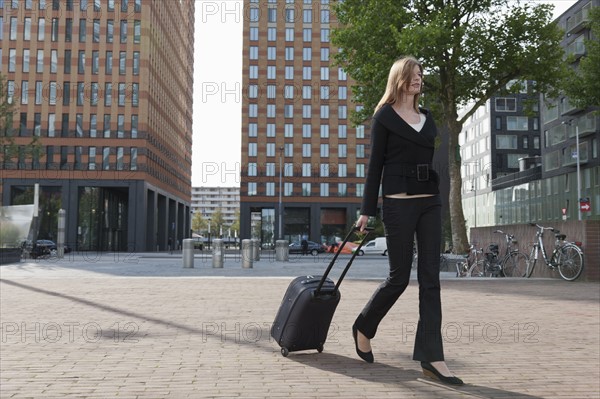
[430, 371]
[366, 356]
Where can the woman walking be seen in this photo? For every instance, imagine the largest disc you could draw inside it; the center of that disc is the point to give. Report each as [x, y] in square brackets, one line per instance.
[402, 147]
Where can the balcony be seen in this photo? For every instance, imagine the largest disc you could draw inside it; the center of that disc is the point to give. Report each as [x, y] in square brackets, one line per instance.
[578, 21]
[567, 107]
[575, 49]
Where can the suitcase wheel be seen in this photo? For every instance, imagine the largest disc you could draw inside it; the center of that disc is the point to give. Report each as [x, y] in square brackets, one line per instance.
[320, 348]
[285, 352]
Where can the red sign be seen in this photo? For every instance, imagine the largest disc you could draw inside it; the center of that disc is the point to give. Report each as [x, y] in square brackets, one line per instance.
[584, 205]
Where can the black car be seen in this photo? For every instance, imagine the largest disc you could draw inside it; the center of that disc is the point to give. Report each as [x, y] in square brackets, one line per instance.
[47, 247]
[313, 248]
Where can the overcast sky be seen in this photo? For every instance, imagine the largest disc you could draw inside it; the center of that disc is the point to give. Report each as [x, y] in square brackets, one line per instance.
[216, 150]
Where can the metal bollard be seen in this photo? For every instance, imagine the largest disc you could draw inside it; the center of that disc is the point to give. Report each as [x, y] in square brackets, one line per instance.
[282, 250]
[188, 253]
[217, 253]
[255, 249]
[247, 254]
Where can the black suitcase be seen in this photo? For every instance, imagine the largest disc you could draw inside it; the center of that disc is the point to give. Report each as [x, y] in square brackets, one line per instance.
[304, 316]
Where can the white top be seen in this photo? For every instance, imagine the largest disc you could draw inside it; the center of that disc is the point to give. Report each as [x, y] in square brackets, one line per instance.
[419, 126]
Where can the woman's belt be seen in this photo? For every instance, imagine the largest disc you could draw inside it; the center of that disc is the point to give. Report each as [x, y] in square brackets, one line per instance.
[417, 171]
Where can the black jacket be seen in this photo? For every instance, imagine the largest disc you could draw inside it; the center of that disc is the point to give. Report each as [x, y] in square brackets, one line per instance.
[396, 150]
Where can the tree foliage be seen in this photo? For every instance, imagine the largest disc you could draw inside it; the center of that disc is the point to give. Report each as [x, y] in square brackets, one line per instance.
[470, 51]
[7, 109]
[583, 85]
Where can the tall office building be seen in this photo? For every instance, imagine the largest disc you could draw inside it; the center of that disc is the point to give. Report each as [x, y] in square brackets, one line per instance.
[106, 86]
[303, 161]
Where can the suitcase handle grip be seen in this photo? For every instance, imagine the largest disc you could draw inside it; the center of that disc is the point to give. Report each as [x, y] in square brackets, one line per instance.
[339, 250]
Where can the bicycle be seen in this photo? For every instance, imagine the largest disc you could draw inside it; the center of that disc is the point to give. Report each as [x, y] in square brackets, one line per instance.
[464, 269]
[512, 264]
[567, 257]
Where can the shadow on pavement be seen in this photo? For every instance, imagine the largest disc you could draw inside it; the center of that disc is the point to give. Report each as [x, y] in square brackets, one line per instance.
[381, 373]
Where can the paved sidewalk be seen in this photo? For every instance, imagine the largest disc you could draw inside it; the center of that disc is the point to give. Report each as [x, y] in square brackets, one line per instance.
[148, 329]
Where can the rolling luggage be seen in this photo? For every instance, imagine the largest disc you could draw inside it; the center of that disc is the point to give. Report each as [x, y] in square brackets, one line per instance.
[304, 316]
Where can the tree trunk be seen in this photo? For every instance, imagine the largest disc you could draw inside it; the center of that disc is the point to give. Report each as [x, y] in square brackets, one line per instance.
[460, 242]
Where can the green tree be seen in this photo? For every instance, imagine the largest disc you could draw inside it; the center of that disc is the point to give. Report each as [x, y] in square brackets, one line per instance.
[583, 84]
[199, 224]
[470, 50]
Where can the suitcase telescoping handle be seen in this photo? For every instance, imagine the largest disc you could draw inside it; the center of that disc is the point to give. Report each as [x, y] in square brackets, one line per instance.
[339, 250]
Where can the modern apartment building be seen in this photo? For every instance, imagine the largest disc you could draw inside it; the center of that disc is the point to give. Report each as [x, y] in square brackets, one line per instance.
[303, 161]
[209, 200]
[543, 187]
[106, 85]
[499, 139]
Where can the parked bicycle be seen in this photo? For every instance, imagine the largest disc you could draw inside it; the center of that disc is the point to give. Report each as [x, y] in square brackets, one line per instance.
[567, 257]
[473, 261]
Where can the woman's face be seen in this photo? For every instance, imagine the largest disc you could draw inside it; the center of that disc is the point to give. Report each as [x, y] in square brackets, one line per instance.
[415, 82]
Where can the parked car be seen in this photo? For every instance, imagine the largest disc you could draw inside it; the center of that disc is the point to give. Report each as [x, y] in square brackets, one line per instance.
[47, 247]
[376, 246]
[313, 248]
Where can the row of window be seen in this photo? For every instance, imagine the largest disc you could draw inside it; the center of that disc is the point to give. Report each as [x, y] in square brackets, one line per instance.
[290, 15]
[290, 34]
[107, 131]
[115, 162]
[304, 170]
[82, 93]
[68, 30]
[41, 67]
[305, 189]
[289, 72]
[68, 5]
[297, 92]
[567, 156]
[307, 150]
[288, 111]
[307, 129]
[307, 53]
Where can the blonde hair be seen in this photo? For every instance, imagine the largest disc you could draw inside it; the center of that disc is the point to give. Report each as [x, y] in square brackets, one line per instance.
[398, 81]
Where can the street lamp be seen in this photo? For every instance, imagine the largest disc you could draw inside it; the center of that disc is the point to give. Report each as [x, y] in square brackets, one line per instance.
[280, 191]
[570, 122]
[474, 189]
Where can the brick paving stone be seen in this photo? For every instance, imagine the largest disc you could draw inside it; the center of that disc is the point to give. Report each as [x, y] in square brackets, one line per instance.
[85, 332]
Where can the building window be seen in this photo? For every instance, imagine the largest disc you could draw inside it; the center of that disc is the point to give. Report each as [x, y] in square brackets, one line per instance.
[288, 189]
[324, 35]
[93, 125]
[137, 31]
[82, 30]
[324, 131]
[324, 150]
[122, 62]
[324, 170]
[306, 111]
[517, 123]
[342, 75]
[41, 29]
[135, 95]
[342, 170]
[306, 73]
[306, 170]
[106, 134]
[253, 34]
[81, 62]
[253, 52]
[272, 34]
[12, 60]
[133, 153]
[506, 104]
[307, 35]
[306, 150]
[108, 94]
[92, 158]
[252, 149]
[134, 126]
[342, 112]
[342, 189]
[506, 142]
[342, 150]
[94, 94]
[306, 131]
[360, 151]
[120, 158]
[110, 30]
[96, 32]
[307, 54]
[123, 33]
[289, 34]
[324, 73]
[307, 15]
[306, 189]
[120, 126]
[252, 189]
[27, 29]
[108, 63]
[80, 93]
[253, 72]
[106, 158]
[342, 131]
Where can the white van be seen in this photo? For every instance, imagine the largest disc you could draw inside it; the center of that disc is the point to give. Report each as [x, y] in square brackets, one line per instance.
[376, 246]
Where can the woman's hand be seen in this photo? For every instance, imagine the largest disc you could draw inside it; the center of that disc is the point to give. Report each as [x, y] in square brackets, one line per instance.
[361, 223]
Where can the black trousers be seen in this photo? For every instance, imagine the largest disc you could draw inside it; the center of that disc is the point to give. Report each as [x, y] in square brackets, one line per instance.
[403, 218]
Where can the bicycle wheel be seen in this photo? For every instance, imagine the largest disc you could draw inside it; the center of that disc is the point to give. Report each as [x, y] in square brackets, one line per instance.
[570, 262]
[515, 265]
[531, 263]
[477, 269]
